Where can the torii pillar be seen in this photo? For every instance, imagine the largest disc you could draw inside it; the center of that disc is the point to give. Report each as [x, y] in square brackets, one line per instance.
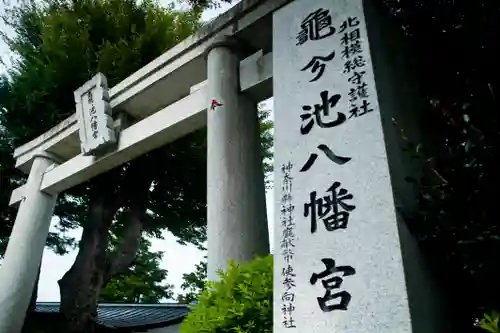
[24, 252]
[237, 222]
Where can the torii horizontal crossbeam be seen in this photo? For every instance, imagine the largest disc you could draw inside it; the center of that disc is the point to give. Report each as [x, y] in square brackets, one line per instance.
[172, 122]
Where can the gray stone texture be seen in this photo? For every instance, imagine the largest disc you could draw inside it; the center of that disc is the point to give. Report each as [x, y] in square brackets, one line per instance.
[384, 298]
[236, 212]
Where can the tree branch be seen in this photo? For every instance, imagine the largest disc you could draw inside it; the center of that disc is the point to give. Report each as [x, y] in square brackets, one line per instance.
[135, 190]
[123, 256]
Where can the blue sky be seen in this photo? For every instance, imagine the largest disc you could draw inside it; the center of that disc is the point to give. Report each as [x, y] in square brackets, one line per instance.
[54, 266]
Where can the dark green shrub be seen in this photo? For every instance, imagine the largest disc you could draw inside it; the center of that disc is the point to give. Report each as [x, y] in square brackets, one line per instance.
[242, 301]
[490, 322]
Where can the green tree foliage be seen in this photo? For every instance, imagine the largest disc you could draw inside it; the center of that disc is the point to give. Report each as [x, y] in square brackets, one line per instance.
[142, 282]
[490, 323]
[213, 4]
[457, 224]
[194, 283]
[241, 301]
[58, 38]
[8, 177]
[266, 142]
[58, 45]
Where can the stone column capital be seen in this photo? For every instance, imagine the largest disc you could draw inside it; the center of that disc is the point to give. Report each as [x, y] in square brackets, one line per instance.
[236, 45]
[49, 156]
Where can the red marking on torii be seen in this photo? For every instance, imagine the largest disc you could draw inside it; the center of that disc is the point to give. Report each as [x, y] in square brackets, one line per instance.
[215, 104]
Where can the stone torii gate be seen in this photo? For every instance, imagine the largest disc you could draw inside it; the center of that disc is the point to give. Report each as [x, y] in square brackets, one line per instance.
[337, 82]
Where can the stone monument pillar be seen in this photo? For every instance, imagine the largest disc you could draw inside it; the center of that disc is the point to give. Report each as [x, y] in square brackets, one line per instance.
[236, 212]
[344, 260]
[24, 252]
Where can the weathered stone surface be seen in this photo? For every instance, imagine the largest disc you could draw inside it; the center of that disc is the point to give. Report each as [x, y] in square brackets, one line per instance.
[331, 131]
